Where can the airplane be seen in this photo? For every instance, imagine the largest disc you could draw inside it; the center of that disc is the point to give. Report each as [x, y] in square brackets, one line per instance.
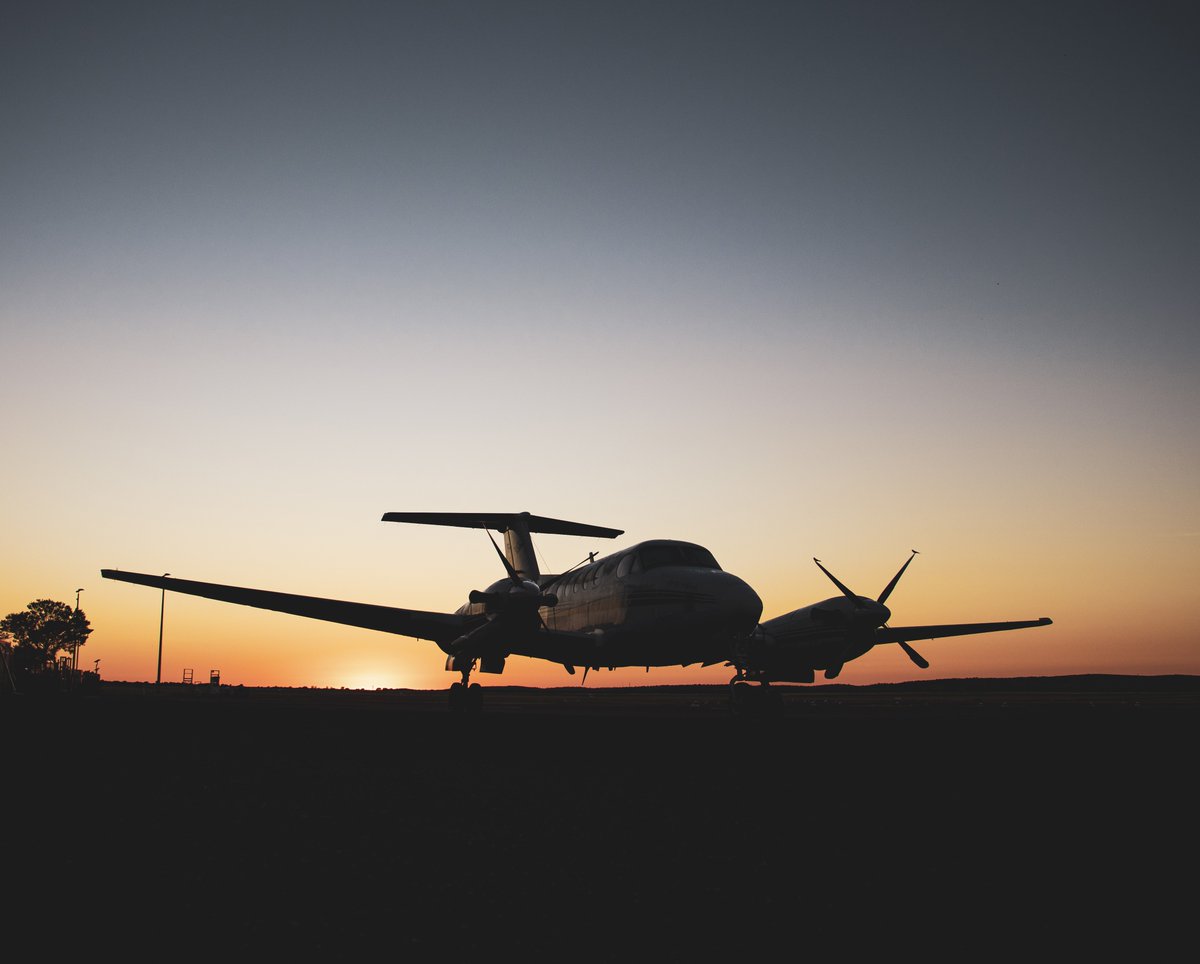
[658, 603]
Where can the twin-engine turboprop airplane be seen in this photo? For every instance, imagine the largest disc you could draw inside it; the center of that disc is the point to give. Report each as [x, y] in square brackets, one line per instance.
[658, 603]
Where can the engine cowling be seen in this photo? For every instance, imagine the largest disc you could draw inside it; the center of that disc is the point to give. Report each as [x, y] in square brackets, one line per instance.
[516, 599]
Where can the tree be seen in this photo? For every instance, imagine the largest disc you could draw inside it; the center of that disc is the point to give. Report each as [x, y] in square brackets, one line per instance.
[42, 630]
[7, 683]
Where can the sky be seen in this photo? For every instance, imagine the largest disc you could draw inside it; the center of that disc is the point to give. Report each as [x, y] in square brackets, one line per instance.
[785, 280]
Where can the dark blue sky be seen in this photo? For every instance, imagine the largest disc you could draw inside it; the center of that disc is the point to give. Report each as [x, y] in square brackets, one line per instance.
[923, 151]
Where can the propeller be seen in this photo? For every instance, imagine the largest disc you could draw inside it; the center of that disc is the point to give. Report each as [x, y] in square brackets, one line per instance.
[837, 582]
[912, 654]
[529, 594]
[521, 602]
[896, 578]
[512, 573]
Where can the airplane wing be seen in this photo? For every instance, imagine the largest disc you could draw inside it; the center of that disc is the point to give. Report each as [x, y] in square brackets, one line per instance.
[897, 634]
[440, 627]
[559, 646]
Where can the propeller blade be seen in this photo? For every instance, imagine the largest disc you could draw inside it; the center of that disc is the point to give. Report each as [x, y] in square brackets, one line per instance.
[845, 592]
[512, 573]
[895, 579]
[914, 655]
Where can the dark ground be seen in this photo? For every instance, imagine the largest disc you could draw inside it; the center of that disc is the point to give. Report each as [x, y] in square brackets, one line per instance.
[954, 818]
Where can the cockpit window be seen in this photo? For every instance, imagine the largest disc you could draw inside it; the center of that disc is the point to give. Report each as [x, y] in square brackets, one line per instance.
[695, 557]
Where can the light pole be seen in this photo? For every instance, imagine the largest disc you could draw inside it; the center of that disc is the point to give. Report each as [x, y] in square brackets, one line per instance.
[161, 609]
[75, 648]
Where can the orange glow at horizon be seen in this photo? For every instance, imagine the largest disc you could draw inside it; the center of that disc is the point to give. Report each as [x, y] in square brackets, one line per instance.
[259, 648]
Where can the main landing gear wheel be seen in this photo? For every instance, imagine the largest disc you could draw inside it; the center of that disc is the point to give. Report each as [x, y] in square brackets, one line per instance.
[466, 699]
[746, 699]
[741, 695]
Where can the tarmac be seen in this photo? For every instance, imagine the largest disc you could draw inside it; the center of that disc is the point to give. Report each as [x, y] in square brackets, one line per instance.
[947, 818]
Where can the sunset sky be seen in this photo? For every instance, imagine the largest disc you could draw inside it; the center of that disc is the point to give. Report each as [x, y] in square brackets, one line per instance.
[786, 280]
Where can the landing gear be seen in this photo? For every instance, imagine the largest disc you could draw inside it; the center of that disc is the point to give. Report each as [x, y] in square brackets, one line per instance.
[746, 699]
[464, 697]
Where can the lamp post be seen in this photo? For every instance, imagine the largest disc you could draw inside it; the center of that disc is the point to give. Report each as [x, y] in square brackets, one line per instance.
[161, 609]
[75, 648]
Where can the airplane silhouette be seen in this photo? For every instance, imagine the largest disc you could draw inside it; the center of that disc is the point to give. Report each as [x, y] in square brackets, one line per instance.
[658, 603]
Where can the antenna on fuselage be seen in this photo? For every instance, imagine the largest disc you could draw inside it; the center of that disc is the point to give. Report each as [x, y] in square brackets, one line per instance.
[590, 557]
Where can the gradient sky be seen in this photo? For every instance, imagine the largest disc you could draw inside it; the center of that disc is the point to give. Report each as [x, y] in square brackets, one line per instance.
[785, 280]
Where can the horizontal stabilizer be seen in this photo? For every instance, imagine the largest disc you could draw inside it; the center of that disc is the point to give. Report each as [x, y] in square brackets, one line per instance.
[896, 634]
[440, 627]
[502, 522]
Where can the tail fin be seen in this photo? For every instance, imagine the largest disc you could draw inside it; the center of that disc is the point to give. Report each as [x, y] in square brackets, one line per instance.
[516, 526]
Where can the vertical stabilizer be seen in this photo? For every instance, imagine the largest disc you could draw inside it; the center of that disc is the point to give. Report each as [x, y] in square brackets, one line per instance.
[518, 547]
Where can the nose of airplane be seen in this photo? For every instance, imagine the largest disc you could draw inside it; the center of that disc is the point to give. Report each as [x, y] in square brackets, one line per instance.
[741, 602]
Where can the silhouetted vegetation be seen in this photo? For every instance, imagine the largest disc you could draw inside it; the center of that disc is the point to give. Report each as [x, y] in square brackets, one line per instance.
[34, 637]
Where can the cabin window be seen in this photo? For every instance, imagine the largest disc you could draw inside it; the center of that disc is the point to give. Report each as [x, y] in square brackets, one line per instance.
[625, 565]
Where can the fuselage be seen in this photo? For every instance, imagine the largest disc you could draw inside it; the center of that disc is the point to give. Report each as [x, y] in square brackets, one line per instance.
[658, 603]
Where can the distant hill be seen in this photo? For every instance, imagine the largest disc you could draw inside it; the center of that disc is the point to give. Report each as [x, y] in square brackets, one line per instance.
[1086, 683]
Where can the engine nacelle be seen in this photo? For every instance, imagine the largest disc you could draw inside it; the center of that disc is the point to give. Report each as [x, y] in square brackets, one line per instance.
[491, 664]
[502, 602]
[464, 664]
[763, 657]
